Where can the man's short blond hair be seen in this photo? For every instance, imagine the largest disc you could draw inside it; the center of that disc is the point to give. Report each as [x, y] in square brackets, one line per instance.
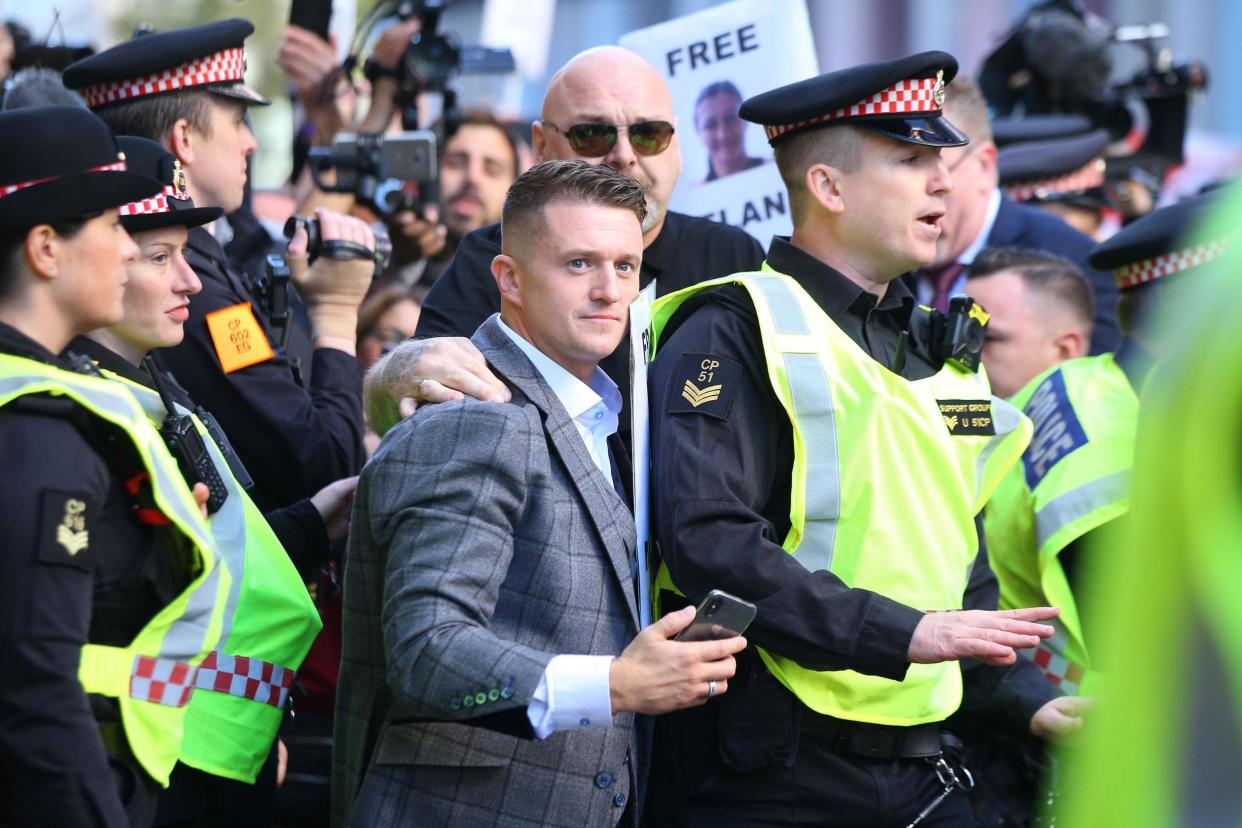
[967, 109]
[836, 146]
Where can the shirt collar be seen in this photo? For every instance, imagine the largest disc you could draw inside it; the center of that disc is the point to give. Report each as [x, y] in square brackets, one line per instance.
[989, 221]
[830, 289]
[576, 396]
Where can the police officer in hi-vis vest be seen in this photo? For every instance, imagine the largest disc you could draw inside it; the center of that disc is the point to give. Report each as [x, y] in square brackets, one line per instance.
[112, 593]
[822, 448]
[1074, 478]
[1164, 746]
[242, 687]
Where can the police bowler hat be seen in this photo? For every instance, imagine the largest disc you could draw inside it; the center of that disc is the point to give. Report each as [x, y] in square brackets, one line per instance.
[171, 206]
[61, 163]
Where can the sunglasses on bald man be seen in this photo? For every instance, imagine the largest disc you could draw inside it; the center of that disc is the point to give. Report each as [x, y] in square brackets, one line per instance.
[597, 140]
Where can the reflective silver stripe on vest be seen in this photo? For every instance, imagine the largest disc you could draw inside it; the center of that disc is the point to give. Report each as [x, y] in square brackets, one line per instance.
[187, 634]
[787, 316]
[1076, 503]
[1006, 419]
[812, 402]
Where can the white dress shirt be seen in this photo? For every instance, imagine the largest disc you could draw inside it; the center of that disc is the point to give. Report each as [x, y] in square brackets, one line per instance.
[574, 690]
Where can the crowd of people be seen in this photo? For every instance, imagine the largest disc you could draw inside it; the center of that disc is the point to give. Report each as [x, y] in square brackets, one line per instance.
[339, 528]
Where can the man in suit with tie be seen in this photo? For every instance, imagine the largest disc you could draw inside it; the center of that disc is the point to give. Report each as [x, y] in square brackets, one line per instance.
[978, 215]
[493, 663]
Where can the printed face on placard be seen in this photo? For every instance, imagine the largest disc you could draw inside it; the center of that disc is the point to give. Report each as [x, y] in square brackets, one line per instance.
[722, 131]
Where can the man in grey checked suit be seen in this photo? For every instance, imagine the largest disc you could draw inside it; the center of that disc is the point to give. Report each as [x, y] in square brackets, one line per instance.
[492, 663]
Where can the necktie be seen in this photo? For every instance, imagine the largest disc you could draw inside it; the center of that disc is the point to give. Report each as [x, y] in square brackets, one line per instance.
[942, 281]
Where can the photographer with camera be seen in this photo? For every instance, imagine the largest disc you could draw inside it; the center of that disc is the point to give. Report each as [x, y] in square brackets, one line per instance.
[295, 421]
[479, 162]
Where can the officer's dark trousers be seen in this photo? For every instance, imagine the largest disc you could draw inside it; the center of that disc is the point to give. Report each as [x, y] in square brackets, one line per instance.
[742, 760]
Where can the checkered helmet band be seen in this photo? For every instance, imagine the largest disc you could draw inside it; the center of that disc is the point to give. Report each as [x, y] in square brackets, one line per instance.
[227, 66]
[915, 96]
[1084, 178]
[1149, 270]
[157, 203]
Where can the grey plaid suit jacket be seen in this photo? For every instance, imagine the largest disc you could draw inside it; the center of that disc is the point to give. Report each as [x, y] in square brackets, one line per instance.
[484, 542]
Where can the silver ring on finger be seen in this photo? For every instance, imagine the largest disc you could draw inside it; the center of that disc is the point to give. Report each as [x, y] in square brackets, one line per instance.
[418, 386]
[711, 689]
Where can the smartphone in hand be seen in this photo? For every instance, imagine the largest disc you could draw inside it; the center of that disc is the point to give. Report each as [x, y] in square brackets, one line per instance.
[721, 615]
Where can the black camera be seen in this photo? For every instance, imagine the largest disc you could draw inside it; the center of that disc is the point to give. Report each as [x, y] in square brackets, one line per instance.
[377, 169]
[338, 248]
[956, 336]
[432, 59]
[1062, 59]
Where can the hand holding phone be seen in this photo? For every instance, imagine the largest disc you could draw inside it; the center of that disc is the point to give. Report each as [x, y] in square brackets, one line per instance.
[721, 615]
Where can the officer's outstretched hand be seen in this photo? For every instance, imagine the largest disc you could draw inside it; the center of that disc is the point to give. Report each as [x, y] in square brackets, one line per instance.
[333, 288]
[658, 675]
[991, 636]
[427, 371]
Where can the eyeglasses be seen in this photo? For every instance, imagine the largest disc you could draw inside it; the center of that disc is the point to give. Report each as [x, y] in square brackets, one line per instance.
[597, 140]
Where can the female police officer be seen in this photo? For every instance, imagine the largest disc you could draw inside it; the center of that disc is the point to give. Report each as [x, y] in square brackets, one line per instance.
[111, 595]
[271, 620]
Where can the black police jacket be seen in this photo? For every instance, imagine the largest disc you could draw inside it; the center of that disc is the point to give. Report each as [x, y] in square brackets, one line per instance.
[293, 438]
[54, 766]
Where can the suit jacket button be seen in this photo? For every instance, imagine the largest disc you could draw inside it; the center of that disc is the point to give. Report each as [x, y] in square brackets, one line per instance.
[493, 694]
[619, 800]
[455, 703]
[468, 701]
[506, 692]
[603, 780]
[480, 698]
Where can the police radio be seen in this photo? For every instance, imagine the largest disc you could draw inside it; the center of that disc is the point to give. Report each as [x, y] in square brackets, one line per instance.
[955, 337]
[186, 445]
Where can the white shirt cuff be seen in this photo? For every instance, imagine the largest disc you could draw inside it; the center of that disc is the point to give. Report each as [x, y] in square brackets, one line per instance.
[573, 692]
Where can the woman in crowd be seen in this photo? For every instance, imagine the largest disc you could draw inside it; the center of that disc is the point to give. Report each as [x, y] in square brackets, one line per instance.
[231, 728]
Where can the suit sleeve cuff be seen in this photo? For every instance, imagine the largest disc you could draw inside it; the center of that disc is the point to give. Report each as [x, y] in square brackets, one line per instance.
[884, 640]
[572, 693]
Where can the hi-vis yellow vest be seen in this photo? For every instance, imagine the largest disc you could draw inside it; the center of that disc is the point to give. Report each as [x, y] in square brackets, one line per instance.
[887, 477]
[269, 624]
[1073, 478]
[1162, 746]
[153, 678]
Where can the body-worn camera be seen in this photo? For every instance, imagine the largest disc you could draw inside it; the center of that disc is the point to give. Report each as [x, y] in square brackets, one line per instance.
[955, 337]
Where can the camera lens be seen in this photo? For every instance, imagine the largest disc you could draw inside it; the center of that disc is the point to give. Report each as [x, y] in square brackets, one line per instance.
[714, 605]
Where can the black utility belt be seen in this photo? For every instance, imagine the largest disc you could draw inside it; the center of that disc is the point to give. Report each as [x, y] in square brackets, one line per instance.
[872, 740]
